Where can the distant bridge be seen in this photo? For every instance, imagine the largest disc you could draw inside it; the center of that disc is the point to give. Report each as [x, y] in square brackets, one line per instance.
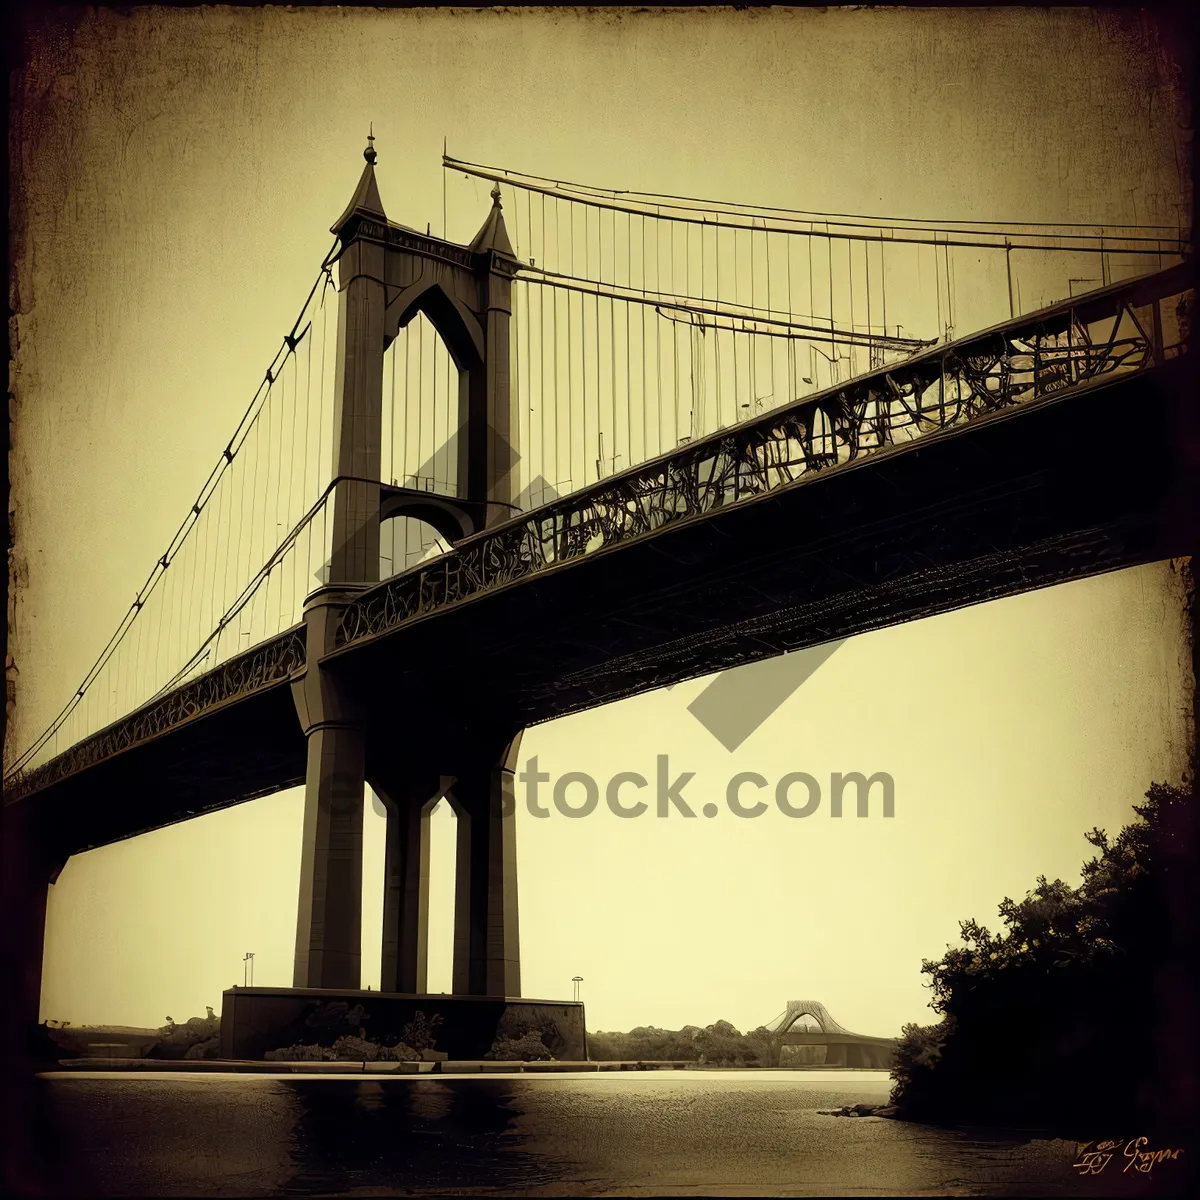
[831, 1045]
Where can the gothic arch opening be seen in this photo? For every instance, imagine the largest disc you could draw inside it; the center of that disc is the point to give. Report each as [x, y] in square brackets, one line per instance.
[420, 411]
[452, 321]
[405, 542]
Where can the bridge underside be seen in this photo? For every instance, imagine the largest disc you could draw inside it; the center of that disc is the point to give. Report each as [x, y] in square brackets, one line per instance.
[242, 750]
[1073, 485]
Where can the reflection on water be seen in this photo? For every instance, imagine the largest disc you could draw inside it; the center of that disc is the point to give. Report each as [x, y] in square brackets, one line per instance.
[645, 1133]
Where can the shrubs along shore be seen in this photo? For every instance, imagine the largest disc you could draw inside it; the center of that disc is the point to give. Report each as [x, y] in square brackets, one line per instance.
[1035, 1026]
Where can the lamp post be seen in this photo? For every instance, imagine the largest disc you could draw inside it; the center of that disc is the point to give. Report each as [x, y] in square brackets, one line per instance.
[577, 980]
[248, 969]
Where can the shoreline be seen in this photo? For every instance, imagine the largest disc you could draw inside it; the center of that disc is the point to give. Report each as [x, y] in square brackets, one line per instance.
[73, 1066]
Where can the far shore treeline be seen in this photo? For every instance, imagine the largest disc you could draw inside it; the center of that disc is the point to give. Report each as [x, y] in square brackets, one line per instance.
[719, 1044]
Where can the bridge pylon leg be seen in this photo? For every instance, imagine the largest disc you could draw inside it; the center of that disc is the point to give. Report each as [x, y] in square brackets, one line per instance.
[408, 802]
[329, 920]
[487, 952]
[31, 858]
[32, 861]
[329, 917]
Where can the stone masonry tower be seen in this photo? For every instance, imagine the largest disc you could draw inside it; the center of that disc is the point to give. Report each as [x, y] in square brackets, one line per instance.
[387, 274]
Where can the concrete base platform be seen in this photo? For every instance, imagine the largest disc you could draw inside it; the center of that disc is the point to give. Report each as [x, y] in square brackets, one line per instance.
[256, 1021]
[222, 1066]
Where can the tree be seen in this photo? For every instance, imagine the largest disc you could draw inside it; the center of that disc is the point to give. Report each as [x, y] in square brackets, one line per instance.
[1026, 1032]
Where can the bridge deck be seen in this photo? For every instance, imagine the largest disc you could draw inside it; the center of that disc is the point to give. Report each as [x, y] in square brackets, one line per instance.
[1074, 481]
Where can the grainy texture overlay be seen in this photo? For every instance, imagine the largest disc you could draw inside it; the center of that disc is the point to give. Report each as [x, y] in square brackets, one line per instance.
[174, 176]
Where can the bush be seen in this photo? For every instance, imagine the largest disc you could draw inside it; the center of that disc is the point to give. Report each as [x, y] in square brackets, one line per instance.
[529, 1038]
[916, 1056]
[420, 1032]
[515, 1025]
[299, 1054]
[528, 1048]
[1029, 1029]
[336, 1031]
[345, 1049]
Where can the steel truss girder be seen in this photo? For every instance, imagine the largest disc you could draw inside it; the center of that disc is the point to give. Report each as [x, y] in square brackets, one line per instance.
[268, 663]
[1020, 361]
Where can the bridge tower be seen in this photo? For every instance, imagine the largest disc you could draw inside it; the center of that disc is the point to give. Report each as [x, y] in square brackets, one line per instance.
[387, 274]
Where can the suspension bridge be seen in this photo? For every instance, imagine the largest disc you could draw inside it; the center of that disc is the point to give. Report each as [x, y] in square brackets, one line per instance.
[615, 441]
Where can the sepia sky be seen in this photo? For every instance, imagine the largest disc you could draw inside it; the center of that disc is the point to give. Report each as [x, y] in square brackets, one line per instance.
[178, 171]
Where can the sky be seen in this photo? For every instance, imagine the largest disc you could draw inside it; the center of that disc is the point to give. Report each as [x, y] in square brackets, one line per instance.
[179, 171]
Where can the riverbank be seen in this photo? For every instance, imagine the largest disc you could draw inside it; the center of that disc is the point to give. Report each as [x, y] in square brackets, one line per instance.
[76, 1066]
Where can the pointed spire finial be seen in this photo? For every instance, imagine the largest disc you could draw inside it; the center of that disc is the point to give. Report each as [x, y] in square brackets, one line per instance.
[492, 235]
[365, 202]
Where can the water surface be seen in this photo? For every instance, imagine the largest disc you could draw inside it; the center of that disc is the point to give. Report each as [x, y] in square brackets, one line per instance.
[675, 1133]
